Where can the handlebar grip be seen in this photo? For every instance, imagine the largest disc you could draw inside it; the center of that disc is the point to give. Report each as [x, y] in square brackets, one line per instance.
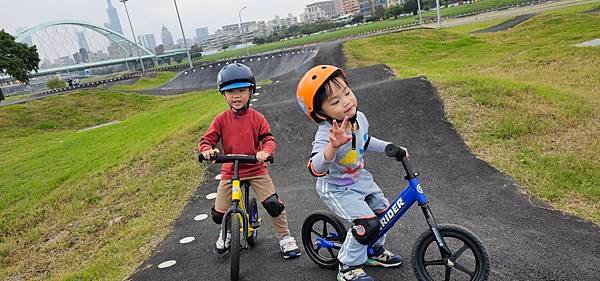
[392, 150]
[201, 157]
[270, 159]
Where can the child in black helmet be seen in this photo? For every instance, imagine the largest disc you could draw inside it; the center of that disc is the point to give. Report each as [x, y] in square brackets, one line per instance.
[243, 130]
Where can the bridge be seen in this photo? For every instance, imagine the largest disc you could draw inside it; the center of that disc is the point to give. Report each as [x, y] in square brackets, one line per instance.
[71, 45]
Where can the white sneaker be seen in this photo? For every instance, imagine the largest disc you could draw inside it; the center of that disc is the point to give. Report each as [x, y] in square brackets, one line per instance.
[288, 247]
[222, 246]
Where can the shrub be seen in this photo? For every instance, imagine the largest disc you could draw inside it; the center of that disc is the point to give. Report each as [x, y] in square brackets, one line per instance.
[56, 83]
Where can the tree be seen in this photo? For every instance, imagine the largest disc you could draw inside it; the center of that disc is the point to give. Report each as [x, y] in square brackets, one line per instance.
[379, 11]
[17, 59]
[393, 11]
[358, 18]
[411, 7]
[258, 40]
[56, 83]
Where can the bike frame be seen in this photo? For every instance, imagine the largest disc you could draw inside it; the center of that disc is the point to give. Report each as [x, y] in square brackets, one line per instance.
[238, 205]
[412, 194]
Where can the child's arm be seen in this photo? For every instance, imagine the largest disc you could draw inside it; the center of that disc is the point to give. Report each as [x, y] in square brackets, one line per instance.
[376, 145]
[318, 165]
[211, 137]
[266, 139]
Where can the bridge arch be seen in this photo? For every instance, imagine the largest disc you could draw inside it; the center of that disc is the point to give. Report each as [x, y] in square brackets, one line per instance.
[113, 36]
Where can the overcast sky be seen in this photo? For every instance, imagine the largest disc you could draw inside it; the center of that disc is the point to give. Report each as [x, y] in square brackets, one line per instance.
[147, 16]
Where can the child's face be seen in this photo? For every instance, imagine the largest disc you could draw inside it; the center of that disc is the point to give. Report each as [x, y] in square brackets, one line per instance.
[237, 98]
[340, 102]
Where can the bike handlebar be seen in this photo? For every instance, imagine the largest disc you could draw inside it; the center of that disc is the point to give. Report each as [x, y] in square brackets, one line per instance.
[229, 158]
[392, 150]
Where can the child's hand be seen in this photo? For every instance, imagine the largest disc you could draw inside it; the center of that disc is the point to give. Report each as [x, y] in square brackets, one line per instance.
[209, 153]
[337, 134]
[262, 156]
[405, 150]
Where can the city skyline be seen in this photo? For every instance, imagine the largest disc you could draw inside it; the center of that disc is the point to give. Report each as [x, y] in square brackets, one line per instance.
[194, 15]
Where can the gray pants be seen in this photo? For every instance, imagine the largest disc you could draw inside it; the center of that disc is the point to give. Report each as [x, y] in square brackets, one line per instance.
[362, 199]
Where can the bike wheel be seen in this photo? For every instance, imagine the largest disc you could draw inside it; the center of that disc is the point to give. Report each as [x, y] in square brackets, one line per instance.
[253, 215]
[471, 258]
[322, 225]
[234, 249]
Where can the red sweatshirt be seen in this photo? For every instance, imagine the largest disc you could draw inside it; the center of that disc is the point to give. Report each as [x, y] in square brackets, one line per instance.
[246, 132]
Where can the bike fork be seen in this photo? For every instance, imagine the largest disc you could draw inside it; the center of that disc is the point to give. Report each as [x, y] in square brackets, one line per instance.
[232, 211]
[444, 250]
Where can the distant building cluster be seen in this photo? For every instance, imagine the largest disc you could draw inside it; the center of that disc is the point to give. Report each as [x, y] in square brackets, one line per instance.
[227, 35]
[234, 34]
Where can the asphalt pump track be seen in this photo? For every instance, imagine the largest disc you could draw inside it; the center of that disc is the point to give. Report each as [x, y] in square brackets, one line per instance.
[506, 25]
[525, 238]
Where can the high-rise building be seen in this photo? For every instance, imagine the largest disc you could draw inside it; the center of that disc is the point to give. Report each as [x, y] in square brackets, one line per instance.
[368, 7]
[166, 37]
[262, 27]
[188, 41]
[348, 6]
[248, 27]
[147, 40]
[113, 18]
[82, 56]
[328, 8]
[202, 34]
[231, 30]
[83, 44]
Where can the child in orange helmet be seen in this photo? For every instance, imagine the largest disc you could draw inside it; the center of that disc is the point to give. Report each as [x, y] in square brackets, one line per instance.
[338, 161]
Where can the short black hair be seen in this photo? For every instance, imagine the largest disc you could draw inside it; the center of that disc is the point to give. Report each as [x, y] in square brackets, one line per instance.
[325, 90]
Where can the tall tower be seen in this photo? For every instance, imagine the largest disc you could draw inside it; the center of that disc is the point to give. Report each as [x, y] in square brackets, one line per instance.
[166, 37]
[83, 44]
[113, 18]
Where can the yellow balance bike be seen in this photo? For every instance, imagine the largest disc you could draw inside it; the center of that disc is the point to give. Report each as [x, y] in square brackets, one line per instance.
[245, 222]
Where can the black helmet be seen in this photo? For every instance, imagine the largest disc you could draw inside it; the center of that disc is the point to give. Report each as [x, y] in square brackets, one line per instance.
[234, 76]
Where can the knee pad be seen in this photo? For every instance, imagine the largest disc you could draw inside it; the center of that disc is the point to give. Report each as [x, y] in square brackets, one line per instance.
[217, 216]
[366, 230]
[273, 205]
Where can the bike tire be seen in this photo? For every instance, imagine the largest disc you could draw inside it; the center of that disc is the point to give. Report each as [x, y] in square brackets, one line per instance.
[466, 248]
[253, 215]
[234, 251]
[309, 237]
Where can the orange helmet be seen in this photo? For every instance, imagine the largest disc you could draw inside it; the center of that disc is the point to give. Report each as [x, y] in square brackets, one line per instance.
[310, 84]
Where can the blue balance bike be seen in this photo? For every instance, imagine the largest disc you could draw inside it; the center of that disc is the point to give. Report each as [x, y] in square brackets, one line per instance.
[444, 252]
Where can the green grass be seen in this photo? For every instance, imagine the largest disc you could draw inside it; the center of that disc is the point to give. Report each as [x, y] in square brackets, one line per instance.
[525, 100]
[147, 82]
[82, 205]
[102, 77]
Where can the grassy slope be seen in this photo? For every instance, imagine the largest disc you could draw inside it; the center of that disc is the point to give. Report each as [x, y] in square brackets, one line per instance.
[92, 204]
[524, 100]
[145, 83]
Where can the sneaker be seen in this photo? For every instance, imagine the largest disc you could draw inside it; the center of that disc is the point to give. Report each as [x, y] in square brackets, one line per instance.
[222, 246]
[383, 257]
[288, 247]
[353, 273]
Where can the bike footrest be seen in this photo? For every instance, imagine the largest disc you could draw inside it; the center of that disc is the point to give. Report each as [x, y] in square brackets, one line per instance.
[256, 224]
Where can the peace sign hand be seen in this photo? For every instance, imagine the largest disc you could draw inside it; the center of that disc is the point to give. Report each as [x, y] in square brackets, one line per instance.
[337, 134]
